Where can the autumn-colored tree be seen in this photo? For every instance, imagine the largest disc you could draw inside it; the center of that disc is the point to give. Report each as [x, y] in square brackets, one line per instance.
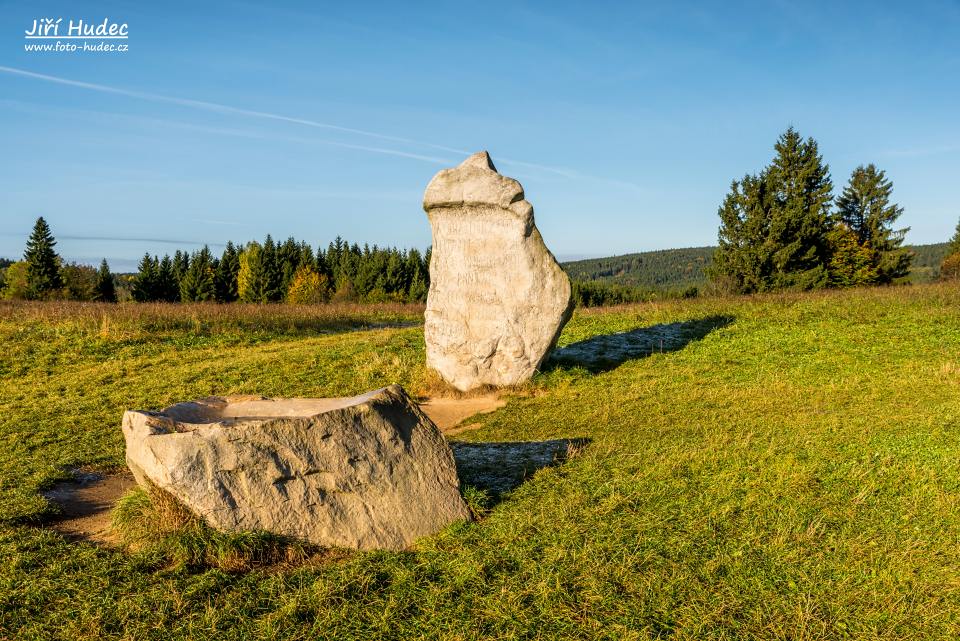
[17, 281]
[308, 287]
[851, 263]
[950, 269]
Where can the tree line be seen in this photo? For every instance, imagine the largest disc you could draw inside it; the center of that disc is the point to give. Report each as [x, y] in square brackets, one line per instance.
[665, 270]
[258, 272]
[291, 271]
[783, 229]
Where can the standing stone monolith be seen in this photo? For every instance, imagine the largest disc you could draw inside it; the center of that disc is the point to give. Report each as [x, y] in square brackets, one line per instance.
[498, 298]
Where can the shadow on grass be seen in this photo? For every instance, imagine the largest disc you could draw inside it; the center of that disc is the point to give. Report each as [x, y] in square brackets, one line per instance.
[497, 468]
[608, 351]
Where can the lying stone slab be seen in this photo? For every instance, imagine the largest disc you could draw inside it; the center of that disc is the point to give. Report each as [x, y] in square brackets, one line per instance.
[498, 298]
[369, 472]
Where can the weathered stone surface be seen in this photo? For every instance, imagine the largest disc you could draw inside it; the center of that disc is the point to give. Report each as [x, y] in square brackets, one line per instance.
[366, 472]
[498, 299]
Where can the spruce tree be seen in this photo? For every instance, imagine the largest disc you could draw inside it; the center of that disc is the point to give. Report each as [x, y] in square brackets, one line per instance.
[225, 278]
[43, 264]
[306, 256]
[865, 208]
[743, 261]
[417, 278]
[334, 257]
[181, 263]
[774, 226]
[288, 260]
[394, 274]
[105, 291]
[346, 270]
[198, 283]
[272, 273]
[145, 284]
[322, 264]
[800, 217]
[168, 286]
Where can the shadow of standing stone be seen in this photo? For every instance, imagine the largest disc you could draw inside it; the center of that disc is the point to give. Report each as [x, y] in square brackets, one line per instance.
[608, 351]
[500, 467]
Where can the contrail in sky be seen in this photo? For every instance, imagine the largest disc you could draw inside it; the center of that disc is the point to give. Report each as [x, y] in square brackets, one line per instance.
[227, 109]
[220, 108]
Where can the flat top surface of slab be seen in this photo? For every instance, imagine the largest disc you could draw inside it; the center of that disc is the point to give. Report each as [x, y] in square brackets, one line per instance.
[235, 409]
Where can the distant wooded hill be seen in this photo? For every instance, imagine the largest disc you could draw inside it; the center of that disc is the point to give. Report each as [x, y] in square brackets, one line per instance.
[680, 269]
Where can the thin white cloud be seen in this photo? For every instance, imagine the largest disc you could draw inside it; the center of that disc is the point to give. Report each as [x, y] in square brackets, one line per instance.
[227, 109]
[215, 107]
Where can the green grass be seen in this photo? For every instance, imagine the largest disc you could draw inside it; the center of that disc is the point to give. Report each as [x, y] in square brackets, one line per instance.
[792, 474]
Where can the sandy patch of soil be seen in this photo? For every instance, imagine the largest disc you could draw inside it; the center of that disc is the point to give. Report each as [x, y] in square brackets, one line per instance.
[448, 413]
[86, 503]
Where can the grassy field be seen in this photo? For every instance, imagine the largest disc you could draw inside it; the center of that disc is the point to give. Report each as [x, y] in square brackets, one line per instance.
[789, 470]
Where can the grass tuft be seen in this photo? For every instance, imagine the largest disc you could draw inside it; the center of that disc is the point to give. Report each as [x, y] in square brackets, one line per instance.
[156, 525]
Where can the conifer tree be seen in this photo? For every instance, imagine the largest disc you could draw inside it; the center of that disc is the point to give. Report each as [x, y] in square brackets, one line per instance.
[272, 281]
[145, 284]
[801, 188]
[288, 260]
[43, 264]
[417, 277]
[198, 283]
[774, 226]
[743, 261]
[168, 285]
[105, 291]
[865, 208]
[181, 263]
[322, 264]
[394, 275]
[306, 255]
[334, 257]
[227, 271]
[346, 271]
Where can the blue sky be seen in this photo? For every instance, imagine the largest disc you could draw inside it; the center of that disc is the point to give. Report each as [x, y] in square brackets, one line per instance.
[625, 122]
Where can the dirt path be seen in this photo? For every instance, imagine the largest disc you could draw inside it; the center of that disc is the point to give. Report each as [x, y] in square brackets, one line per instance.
[86, 504]
[448, 413]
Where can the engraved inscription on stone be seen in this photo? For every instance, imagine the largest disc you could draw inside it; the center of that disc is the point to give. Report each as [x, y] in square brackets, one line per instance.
[498, 299]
